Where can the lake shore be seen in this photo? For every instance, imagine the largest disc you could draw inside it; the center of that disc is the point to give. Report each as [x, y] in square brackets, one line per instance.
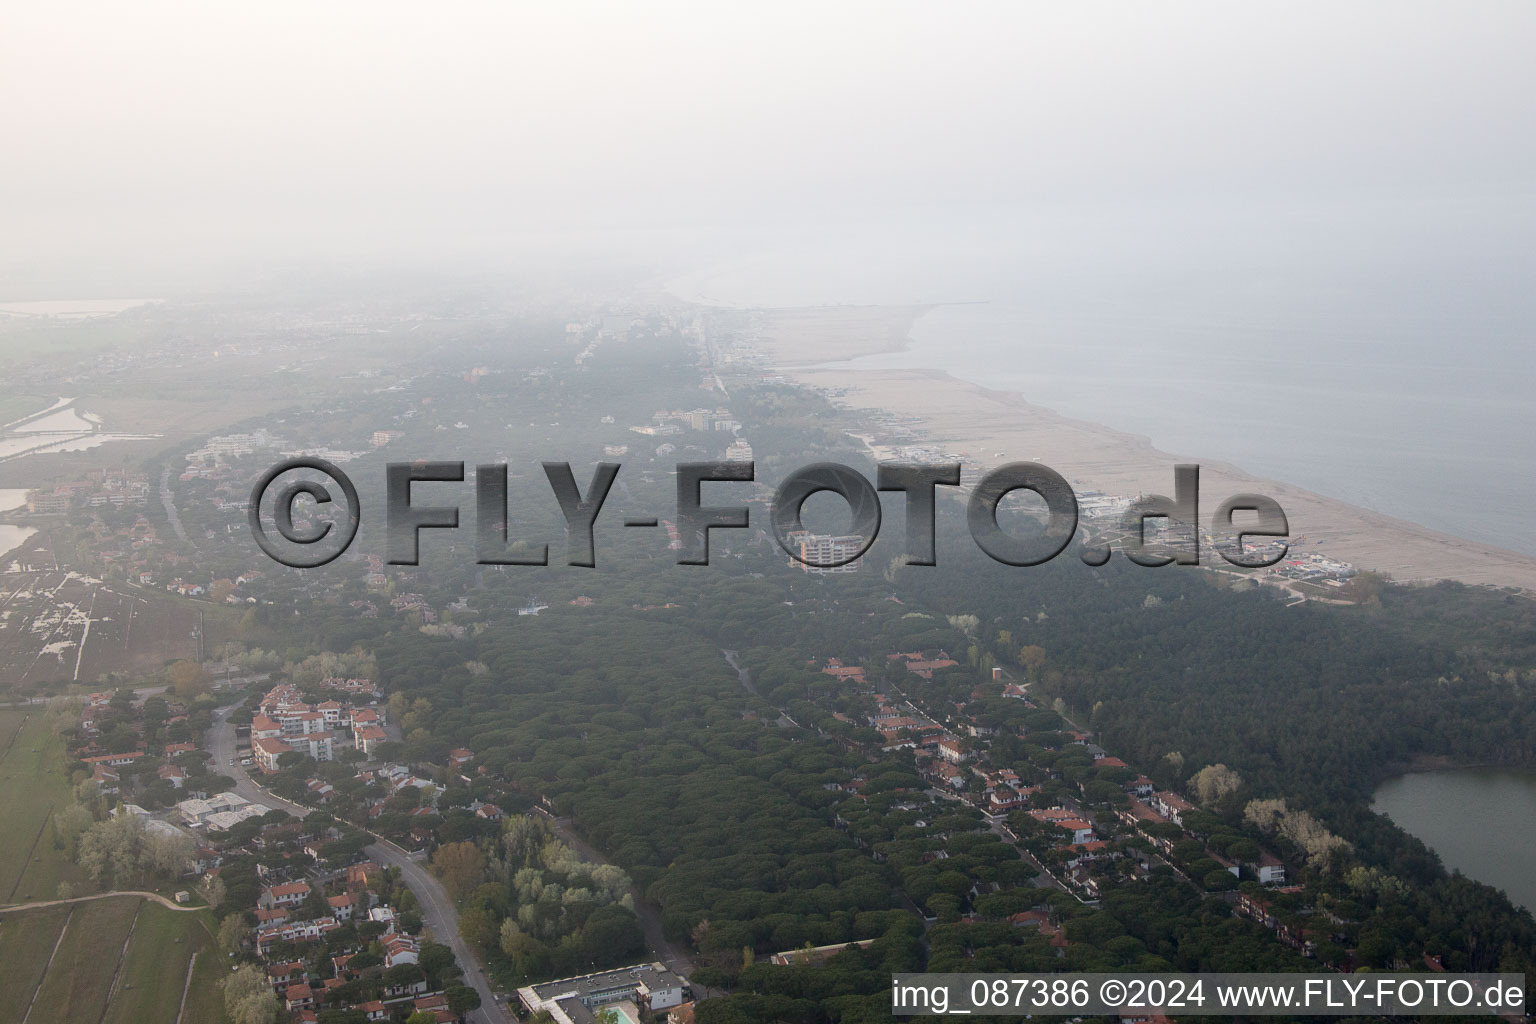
[1454, 811]
[993, 427]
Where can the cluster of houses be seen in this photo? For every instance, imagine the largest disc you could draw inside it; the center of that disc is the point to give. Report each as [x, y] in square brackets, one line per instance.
[1068, 834]
[673, 422]
[394, 778]
[391, 779]
[1259, 907]
[1313, 568]
[310, 909]
[953, 756]
[108, 767]
[100, 488]
[670, 422]
[284, 723]
[135, 549]
[331, 918]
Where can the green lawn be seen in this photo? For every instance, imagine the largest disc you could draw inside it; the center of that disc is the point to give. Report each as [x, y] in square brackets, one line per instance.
[32, 787]
[79, 986]
[26, 940]
[79, 980]
[155, 968]
[10, 725]
[205, 999]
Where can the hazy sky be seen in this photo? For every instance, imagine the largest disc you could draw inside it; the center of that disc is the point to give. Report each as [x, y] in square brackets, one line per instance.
[169, 135]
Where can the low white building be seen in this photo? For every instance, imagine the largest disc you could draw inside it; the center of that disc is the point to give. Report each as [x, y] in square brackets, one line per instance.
[196, 812]
[223, 821]
[575, 1000]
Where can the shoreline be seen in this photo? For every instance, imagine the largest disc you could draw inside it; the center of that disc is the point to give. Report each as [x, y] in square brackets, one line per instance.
[992, 426]
[1430, 764]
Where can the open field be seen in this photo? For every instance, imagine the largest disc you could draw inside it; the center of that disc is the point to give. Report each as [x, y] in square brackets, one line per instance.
[22, 338]
[154, 971]
[32, 787]
[14, 406]
[78, 981]
[205, 1000]
[10, 728]
[116, 959]
[26, 941]
[63, 626]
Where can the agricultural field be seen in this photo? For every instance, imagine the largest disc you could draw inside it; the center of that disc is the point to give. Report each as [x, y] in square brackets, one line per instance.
[155, 968]
[109, 960]
[204, 998]
[83, 968]
[94, 961]
[27, 940]
[60, 626]
[32, 787]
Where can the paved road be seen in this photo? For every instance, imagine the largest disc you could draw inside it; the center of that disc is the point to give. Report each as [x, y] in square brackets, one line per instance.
[169, 503]
[437, 910]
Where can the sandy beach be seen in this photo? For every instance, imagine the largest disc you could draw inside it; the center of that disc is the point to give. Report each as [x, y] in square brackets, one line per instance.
[993, 427]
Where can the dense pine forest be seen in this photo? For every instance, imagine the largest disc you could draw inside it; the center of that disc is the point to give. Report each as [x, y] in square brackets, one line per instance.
[695, 727]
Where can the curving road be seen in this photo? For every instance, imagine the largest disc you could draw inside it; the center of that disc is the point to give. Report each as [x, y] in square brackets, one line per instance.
[437, 910]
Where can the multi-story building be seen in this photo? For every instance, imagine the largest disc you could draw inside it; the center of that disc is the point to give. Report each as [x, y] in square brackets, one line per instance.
[822, 553]
[289, 895]
[267, 752]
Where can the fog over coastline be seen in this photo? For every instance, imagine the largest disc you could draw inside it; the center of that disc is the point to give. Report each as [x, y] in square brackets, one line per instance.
[1327, 212]
[1370, 351]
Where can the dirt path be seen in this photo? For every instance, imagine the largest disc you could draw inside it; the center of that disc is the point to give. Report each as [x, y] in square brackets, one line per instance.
[11, 908]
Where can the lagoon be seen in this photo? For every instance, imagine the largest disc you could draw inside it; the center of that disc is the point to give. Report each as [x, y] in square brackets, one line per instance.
[1481, 821]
